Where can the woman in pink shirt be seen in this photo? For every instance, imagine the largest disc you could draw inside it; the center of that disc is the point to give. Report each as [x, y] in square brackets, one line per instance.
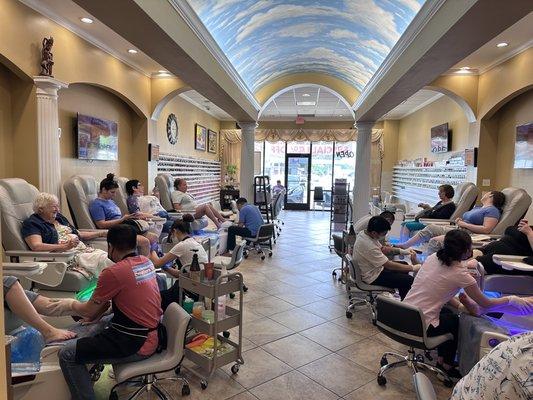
[439, 280]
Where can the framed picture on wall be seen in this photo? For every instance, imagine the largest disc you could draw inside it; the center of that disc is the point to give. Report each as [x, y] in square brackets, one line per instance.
[212, 141]
[523, 151]
[200, 137]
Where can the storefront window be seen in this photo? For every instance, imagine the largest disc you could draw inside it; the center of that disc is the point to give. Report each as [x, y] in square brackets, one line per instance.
[345, 162]
[299, 147]
[275, 161]
[322, 170]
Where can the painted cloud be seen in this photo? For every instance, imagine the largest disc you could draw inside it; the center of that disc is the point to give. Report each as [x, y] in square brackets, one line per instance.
[266, 39]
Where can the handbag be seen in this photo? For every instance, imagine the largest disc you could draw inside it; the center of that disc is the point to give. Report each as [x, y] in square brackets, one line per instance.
[140, 225]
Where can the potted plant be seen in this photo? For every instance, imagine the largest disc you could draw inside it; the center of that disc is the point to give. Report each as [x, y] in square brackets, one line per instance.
[231, 170]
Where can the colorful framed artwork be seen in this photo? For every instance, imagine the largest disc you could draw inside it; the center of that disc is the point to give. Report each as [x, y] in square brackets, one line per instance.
[200, 137]
[471, 157]
[212, 141]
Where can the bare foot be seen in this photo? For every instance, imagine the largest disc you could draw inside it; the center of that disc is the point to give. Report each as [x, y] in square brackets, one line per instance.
[471, 306]
[58, 335]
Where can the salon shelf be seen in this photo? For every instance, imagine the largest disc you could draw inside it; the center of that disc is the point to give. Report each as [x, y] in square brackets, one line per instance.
[211, 364]
[420, 184]
[208, 289]
[231, 320]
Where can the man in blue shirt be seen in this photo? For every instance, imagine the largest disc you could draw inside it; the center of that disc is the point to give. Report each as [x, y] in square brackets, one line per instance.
[250, 219]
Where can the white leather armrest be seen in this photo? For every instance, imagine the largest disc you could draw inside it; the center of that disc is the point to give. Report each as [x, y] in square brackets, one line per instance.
[48, 255]
[497, 258]
[431, 221]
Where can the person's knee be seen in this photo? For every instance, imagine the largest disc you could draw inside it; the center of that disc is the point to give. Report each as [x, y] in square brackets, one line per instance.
[67, 354]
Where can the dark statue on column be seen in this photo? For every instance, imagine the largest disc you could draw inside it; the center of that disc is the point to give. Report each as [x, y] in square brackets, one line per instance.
[47, 58]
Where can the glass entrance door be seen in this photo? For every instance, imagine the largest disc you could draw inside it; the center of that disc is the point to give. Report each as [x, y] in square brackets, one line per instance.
[297, 179]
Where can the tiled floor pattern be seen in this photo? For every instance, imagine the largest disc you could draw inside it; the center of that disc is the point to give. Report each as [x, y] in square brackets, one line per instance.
[297, 343]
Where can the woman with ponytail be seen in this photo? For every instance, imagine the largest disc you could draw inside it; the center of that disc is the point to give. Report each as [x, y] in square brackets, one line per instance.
[183, 250]
[437, 283]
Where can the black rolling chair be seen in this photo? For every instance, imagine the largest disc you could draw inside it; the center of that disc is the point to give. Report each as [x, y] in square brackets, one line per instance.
[356, 280]
[318, 196]
[405, 324]
[262, 240]
[338, 247]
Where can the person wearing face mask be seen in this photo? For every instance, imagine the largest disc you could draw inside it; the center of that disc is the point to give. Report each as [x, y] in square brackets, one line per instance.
[131, 333]
[183, 251]
[437, 283]
[376, 268]
[181, 254]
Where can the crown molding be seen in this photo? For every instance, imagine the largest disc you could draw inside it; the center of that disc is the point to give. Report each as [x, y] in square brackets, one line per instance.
[52, 15]
[507, 57]
[418, 23]
[185, 10]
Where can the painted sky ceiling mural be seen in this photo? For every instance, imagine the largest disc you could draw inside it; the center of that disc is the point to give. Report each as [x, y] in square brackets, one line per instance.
[266, 39]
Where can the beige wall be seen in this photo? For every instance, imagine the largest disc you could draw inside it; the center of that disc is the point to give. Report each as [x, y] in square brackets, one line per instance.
[96, 102]
[22, 31]
[188, 115]
[6, 138]
[517, 112]
[414, 132]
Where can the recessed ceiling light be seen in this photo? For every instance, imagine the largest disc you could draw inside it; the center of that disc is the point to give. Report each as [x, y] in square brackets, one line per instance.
[162, 71]
[132, 51]
[86, 20]
[306, 103]
[465, 68]
[306, 95]
[340, 115]
[502, 44]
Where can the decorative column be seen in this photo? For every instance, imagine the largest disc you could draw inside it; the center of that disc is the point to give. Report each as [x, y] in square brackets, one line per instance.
[48, 134]
[246, 174]
[361, 190]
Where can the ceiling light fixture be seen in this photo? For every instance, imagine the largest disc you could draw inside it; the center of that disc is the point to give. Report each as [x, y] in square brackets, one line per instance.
[465, 68]
[340, 115]
[502, 44]
[132, 51]
[162, 71]
[86, 20]
[306, 103]
[306, 95]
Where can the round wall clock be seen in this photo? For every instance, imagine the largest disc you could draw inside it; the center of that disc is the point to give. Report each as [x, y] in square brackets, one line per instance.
[172, 129]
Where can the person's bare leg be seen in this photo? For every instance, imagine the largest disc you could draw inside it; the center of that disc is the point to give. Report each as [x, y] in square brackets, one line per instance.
[216, 213]
[20, 305]
[411, 242]
[204, 210]
[143, 245]
[54, 307]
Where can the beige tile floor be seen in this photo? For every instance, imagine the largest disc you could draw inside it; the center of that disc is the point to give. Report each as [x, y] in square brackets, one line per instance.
[298, 343]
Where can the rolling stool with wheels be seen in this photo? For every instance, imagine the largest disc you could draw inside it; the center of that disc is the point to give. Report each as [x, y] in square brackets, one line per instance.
[176, 321]
[405, 324]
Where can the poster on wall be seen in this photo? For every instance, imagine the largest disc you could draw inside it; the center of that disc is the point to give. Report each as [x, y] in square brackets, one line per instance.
[523, 153]
[212, 141]
[200, 137]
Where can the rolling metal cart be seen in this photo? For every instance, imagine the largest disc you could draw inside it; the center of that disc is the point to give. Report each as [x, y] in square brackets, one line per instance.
[220, 286]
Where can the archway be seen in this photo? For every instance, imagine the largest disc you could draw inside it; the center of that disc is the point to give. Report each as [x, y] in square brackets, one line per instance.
[165, 100]
[303, 85]
[469, 113]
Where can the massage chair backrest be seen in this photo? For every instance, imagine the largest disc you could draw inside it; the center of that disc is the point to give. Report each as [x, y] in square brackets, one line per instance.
[517, 202]
[80, 190]
[465, 197]
[165, 185]
[122, 196]
[16, 204]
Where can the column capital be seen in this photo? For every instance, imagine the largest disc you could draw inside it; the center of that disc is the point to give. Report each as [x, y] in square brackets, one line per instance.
[47, 85]
[365, 126]
[248, 127]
